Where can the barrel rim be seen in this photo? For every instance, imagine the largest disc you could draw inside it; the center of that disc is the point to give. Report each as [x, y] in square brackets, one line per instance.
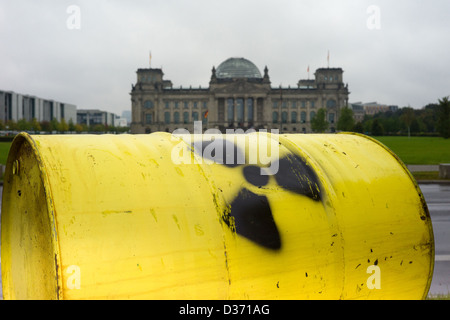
[21, 138]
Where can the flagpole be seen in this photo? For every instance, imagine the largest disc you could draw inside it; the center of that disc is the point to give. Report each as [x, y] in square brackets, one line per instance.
[328, 58]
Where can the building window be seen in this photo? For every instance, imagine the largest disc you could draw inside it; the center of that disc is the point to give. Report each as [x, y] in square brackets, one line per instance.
[205, 105]
[166, 117]
[195, 105]
[176, 117]
[186, 105]
[186, 117]
[148, 104]
[195, 116]
[293, 104]
[331, 117]
[312, 115]
[240, 110]
[148, 118]
[167, 105]
[303, 117]
[275, 104]
[293, 117]
[275, 117]
[303, 104]
[284, 105]
[313, 104]
[176, 105]
[331, 103]
[284, 117]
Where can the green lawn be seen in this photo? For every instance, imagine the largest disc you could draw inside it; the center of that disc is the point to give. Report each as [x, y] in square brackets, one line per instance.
[4, 150]
[419, 150]
[414, 150]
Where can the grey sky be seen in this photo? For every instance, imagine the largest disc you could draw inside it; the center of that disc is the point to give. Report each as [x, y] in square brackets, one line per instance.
[405, 62]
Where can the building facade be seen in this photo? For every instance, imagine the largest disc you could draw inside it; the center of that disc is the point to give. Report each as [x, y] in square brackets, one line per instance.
[361, 109]
[16, 106]
[238, 96]
[92, 117]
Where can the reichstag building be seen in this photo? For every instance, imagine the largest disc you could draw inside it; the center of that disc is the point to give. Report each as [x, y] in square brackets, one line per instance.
[238, 96]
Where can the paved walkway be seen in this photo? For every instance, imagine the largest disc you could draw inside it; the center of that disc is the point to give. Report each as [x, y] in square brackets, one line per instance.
[423, 168]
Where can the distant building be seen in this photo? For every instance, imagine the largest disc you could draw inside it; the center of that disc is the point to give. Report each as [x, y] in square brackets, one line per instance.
[93, 117]
[393, 108]
[121, 122]
[127, 115]
[16, 106]
[370, 108]
[358, 111]
[238, 96]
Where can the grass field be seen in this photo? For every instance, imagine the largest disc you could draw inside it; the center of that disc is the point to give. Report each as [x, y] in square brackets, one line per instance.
[414, 150]
[4, 149]
[419, 150]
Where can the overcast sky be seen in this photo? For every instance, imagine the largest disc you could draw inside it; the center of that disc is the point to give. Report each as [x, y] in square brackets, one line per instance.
[394, 52]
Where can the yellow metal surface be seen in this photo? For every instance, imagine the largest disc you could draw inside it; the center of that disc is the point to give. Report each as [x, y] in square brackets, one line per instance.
[155, 217]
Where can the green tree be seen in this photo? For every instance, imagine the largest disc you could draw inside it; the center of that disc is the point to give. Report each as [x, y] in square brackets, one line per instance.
[377, 128]
[63, 126]
[46, 126]
[319, 122]
[98, 128]
[23, 125]
[54, 125]
[71, 126]
[443, 125]
[346, 121]
[84, 128]
[11, 125]
[35, 125]
[429, 117]
[78, 128]
[391, 125]
[408, 117]
[358, 127]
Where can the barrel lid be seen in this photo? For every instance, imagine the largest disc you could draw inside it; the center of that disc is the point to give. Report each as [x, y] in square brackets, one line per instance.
[29, 252]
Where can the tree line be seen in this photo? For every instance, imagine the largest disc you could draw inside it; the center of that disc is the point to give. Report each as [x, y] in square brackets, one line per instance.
[431, 120]
[57, 126]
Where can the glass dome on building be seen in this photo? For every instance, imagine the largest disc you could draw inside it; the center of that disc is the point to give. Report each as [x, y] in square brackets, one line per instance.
[237, 68]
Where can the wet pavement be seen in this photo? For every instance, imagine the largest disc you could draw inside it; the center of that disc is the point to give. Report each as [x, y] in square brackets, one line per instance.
[438, 201]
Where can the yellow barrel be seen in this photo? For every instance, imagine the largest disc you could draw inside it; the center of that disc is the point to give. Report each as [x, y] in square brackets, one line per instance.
[254, 216]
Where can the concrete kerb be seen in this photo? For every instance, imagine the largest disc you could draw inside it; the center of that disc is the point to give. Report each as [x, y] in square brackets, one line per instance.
[429, 168]
[423, 168]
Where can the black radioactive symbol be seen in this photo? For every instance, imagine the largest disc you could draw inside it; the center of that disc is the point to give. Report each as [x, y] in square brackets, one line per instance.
[250, 215]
